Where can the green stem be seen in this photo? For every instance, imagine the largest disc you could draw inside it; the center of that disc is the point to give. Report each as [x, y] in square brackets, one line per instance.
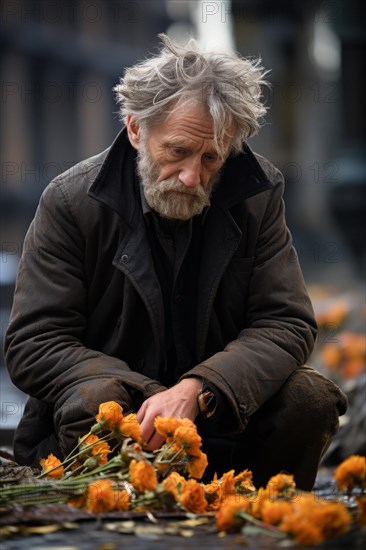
[266, 526]
[71, 458]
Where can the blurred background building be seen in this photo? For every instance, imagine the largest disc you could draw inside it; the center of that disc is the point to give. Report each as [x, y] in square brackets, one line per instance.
[60, 60]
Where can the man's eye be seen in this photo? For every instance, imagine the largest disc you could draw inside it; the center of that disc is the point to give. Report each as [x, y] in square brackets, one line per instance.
[212, 158]
[178, 151]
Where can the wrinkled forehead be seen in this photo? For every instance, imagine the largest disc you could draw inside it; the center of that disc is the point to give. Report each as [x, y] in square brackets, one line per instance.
[192, 116]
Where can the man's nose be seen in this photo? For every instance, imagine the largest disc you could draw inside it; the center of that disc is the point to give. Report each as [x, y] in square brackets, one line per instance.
[190, 174]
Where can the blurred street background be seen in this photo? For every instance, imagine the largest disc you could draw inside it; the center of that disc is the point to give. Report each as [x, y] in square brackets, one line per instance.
[59, 61]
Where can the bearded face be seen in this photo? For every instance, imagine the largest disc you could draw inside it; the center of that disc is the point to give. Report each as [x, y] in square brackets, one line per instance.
[178, 159]
[170, 197]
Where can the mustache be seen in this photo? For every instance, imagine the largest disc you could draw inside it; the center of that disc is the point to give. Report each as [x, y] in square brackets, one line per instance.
[173, 184]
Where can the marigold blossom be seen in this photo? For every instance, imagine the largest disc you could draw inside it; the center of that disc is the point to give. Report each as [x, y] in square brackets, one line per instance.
[130, 427]
[197, 465]
[311, 521]
[166, 426]
[281, 485]
[258, 503]
[110, 415]
[142, 476]
[122, 500]
[187, 438]
[99, 449]
[227, 482]
[78, 502]
[50, 463]
[228, 517]
[351, 473]
[273, 511]
[174, 484]
[333, 517]
[243, 482]
[240, 483]
[193, 497]
[213, 494]
[100, 496]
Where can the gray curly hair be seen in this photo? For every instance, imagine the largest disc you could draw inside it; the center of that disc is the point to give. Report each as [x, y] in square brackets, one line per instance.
[228, 85]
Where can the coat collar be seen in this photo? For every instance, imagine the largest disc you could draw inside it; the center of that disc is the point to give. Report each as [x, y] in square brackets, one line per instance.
[241, 178]
[114, 182]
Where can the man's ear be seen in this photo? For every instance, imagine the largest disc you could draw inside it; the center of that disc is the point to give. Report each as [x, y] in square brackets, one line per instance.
[133, 131]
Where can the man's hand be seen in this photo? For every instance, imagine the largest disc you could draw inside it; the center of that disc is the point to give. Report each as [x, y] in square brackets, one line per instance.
[180, 401]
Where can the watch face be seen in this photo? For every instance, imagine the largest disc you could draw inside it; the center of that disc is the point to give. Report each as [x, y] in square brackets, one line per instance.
[207, 403]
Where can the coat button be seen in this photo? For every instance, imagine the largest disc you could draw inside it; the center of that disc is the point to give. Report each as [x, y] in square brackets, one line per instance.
[178, 298]
[124, 257]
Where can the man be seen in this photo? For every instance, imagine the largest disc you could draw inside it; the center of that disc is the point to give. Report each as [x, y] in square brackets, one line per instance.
[160, 274]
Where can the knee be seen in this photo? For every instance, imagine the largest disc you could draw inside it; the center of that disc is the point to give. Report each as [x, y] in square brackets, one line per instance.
[313, 401]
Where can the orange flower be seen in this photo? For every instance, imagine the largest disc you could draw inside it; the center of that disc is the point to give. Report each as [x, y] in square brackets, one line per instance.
[333, 517]
[258, 503]
[142, 476]
[167, 426]
[228, 483]
[49, 467]
[187, 438]
[193, 497]
[229, 517]
[100, 449]
[213, 494]
[198, 465]
[333, 312]
[282, 485]
[300, 521]
[351, 473]
[241, 483]
[310, 521]
[304, 531]
[130, 427]
[78, 502]
[104, 496]
[174, 484]
[331, 356]
[100, 496]
[161, 466]
[110, 415]
[122, 500]
[353, 345]
[353, 367]
[273, 511]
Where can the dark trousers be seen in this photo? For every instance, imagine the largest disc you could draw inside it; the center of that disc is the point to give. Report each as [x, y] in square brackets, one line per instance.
[289, 433]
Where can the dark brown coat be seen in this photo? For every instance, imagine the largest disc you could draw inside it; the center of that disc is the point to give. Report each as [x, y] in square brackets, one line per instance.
[88, 310]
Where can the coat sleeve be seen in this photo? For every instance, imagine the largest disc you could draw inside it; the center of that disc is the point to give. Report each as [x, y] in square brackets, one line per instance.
[44, 349]
[280, 326]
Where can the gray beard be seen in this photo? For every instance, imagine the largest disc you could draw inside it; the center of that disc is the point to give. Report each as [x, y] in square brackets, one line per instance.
[171, 198]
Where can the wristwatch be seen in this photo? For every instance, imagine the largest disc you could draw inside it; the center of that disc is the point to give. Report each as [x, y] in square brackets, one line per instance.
[207, 401]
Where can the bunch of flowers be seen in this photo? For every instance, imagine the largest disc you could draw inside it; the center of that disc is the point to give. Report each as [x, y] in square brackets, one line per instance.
[302, 516]
[111, 470]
